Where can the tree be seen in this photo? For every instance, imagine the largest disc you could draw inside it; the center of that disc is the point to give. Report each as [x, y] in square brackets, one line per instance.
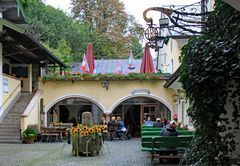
[110, 38]
[113, 31]
[53, 28]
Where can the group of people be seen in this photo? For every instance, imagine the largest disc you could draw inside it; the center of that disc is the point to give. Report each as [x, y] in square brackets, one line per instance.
[168, 128]
[115, 125]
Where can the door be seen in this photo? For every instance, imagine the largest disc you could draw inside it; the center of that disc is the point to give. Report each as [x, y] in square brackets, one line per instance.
[148, 111]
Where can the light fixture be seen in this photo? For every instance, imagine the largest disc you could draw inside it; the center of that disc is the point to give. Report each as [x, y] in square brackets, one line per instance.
[105, 84]
[159, 42]
[182, 94]
[163, 22]
[175, 98]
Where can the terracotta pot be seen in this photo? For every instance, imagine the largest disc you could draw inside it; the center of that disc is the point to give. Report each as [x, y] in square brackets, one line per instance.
[28, 140]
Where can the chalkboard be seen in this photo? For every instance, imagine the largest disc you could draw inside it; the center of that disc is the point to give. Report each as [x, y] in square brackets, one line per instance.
[20, 71]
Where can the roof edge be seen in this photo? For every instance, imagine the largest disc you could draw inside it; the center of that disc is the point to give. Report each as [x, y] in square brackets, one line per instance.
[172, 78]
[11, 25]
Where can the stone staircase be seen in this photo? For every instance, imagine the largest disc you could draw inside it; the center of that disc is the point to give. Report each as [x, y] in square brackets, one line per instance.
[10, 127]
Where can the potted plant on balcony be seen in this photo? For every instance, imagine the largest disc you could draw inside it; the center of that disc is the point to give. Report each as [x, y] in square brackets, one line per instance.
[29, 135]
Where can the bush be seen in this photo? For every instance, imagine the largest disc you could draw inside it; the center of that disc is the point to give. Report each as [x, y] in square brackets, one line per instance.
[29, 133]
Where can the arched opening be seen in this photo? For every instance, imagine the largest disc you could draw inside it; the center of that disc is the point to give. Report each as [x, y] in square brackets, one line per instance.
[69, 110]
[135, 110]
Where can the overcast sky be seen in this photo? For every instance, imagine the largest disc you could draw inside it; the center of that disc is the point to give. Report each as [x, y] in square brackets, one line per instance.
[134, 7]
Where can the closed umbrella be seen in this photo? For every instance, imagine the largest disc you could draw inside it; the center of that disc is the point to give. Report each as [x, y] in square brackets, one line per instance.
[147, 62]
[90, 58]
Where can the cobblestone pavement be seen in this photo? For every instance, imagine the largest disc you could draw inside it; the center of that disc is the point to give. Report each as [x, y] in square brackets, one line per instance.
[120, 153]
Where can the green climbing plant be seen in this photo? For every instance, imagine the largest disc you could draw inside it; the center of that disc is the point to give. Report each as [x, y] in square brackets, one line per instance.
[210, 74]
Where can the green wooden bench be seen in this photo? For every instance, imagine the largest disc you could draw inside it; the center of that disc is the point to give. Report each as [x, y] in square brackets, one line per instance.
[157, 146]
[157, 133]
[151, 129]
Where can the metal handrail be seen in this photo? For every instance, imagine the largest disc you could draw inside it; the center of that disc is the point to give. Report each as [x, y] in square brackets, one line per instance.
[10, 95]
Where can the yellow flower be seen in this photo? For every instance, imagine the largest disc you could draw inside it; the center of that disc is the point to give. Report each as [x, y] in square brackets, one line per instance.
[85, 128]
[90, 130]
[82, 133]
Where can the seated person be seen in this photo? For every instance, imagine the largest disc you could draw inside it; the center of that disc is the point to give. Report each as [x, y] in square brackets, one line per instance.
[112, 125]
[120, 127]
[103, 121]
[148, 122]
[169, 129]
[158, 123]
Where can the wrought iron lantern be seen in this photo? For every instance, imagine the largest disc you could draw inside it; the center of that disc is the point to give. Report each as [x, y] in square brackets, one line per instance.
[185, 20]
[105, 84]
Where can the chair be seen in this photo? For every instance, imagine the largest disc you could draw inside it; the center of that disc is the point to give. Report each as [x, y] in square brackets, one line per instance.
[111, 132]
[125, 134]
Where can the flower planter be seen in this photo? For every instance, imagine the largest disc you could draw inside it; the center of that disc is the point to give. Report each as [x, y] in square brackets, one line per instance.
[28, 140]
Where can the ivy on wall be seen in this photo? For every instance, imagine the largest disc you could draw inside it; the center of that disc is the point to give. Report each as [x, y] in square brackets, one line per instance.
[210, 74]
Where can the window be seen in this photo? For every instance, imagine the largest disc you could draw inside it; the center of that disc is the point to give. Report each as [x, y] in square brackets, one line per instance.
[20, 71]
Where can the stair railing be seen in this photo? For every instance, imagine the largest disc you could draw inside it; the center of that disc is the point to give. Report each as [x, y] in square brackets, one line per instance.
[10, 95]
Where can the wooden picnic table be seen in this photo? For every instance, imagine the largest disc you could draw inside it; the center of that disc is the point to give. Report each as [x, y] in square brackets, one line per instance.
[53, 131]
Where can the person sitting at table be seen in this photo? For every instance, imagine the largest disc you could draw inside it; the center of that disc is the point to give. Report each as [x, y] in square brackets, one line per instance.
[103, 121]
[148, 122]
[120, 127]
[169, 129]
[112, 125]
[158, 123]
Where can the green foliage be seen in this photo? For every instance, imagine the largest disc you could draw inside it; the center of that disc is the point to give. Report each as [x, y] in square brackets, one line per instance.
[210, 75]
[29, 133]
[96, 77]
[113, 31]
[68, 37]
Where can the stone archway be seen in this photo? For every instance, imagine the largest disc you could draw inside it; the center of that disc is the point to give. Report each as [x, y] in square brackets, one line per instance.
[75, 105]
[135, 109]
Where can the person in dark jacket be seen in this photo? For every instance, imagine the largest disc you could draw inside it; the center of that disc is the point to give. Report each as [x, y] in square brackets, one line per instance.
[158, 123]
[120, 127]
[169, 129]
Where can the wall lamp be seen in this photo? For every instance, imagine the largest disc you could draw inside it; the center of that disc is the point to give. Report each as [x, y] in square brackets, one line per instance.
[182, 94]
[175, 98]
[105, 84]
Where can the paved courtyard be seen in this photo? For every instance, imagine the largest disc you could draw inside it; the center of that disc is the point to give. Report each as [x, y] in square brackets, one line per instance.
[120, 153]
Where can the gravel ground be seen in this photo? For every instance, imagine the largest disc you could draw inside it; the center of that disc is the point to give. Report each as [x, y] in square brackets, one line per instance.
[114, 153]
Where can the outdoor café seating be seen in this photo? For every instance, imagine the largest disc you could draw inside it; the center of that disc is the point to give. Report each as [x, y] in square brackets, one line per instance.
[52, 134]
